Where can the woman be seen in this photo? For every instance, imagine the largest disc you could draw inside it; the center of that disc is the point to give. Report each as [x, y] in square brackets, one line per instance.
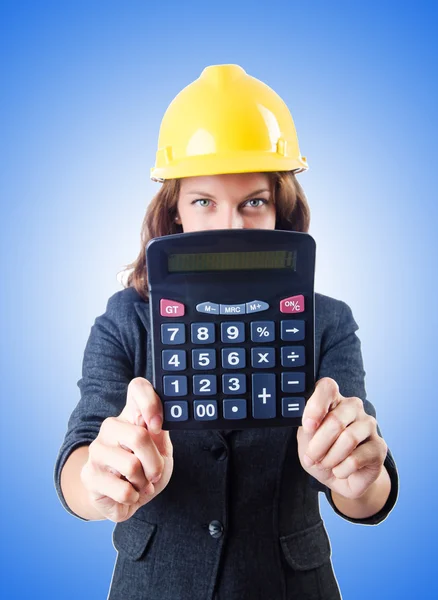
[222, 514]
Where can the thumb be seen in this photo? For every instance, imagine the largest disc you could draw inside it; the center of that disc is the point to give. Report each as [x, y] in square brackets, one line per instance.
[163, 442]
[160, 439]
[303, 440]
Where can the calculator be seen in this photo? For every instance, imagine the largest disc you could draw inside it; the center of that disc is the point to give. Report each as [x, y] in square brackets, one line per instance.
[232, 327]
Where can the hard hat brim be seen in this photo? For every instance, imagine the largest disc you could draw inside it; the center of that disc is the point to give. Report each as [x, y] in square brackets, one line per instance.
[212, 164]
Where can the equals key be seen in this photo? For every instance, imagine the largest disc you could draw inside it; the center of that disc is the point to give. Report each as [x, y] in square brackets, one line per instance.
[292, 407]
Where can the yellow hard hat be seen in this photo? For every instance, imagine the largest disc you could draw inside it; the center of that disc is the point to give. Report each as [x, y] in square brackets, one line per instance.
[226, 121]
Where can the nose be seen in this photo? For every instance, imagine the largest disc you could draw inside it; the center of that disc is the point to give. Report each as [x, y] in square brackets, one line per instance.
[229, 218]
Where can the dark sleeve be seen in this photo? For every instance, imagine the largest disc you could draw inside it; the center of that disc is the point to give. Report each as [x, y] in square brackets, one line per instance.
[106, 373]
[341, 359]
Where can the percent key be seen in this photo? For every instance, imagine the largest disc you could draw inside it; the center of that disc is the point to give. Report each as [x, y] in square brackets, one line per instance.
[263, 331]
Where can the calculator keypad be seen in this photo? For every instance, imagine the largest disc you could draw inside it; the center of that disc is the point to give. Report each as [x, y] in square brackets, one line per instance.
[235, 394]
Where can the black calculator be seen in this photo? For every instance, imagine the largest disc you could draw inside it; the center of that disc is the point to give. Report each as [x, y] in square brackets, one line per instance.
[232, 318]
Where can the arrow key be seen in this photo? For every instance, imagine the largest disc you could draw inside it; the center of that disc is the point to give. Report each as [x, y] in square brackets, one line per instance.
[292, 330]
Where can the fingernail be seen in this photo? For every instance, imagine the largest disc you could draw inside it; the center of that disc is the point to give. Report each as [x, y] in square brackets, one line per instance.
[308, 461]
[310, 424]
[155, 423]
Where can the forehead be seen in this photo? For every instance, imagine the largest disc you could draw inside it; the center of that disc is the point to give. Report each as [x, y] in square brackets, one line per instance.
[235, 184]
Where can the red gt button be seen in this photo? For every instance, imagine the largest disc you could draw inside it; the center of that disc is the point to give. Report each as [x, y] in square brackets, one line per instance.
[171, 308]
[293, 304]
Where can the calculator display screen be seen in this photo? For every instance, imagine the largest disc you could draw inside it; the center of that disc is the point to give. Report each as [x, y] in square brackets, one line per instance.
[231, 261]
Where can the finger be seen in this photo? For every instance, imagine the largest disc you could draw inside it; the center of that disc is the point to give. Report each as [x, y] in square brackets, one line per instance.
[350, 438]
[365, 455]
[106, 484]
[121, 463]
[143, 406]
[331, 428]
[136, 439]
[163, 443]
[325, 396]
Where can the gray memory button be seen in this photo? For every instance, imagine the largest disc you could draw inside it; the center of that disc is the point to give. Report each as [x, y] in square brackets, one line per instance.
[232, 309]
[256, 306]
[208, 307]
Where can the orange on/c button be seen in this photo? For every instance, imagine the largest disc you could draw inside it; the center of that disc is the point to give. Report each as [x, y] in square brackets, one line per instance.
[171, 308]
[293, 304]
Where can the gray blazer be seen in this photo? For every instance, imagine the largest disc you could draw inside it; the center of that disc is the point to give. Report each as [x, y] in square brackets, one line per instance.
[239, 519]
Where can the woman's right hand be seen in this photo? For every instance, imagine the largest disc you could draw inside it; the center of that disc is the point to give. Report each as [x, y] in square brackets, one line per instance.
[131, 460]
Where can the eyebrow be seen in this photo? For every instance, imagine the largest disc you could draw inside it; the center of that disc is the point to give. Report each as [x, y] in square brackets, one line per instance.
[211, 195]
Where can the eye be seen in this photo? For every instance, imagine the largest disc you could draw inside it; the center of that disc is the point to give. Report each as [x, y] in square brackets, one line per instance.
[255, 202]
[204, 202]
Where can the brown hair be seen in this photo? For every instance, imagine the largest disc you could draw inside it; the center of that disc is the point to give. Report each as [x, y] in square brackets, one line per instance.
[293, 214]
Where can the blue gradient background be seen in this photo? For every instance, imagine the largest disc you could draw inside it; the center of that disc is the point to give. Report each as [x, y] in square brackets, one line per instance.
[85, 85]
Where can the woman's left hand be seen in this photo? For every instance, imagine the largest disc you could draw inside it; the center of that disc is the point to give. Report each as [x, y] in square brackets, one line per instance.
[346, 452]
